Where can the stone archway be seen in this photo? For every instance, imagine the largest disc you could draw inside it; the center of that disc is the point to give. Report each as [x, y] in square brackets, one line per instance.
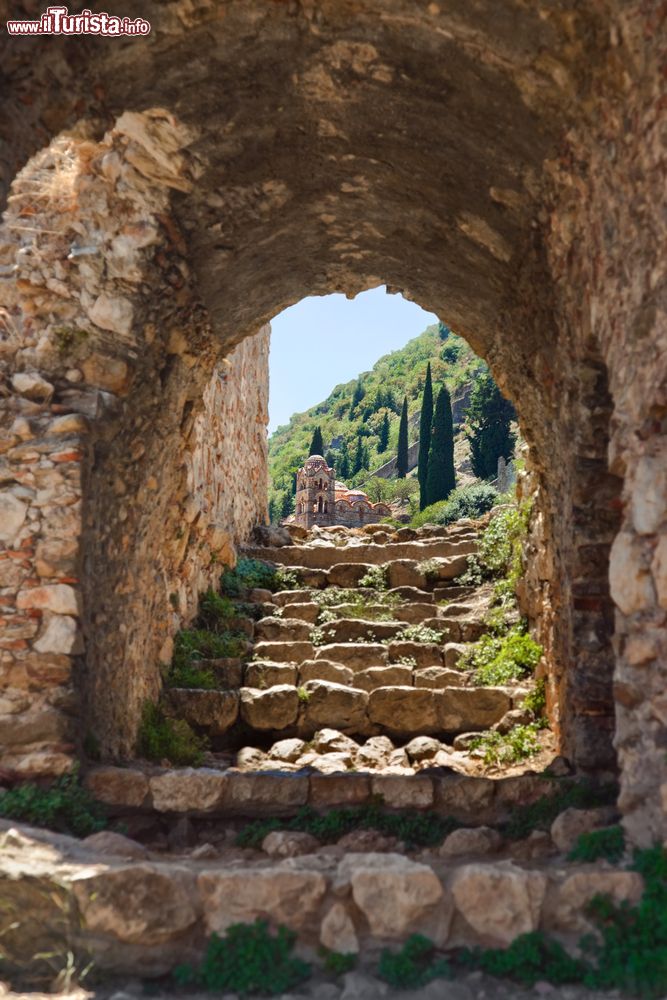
[470, 158]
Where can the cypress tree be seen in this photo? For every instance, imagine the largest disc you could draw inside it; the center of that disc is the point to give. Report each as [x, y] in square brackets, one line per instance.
[343, 465]
[383, 436]
[358, 463]
[402, 456]
[489, 417]
[441, 478]
[317, 444]
[330, 459]
[425, 427]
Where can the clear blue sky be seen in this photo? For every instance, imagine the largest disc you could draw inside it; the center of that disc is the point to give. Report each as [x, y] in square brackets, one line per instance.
[325, 340]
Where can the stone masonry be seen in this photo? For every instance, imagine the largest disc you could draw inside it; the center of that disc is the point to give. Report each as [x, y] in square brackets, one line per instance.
[141, 246]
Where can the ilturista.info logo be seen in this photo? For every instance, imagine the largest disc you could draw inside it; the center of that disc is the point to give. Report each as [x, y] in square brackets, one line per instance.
[59, 21]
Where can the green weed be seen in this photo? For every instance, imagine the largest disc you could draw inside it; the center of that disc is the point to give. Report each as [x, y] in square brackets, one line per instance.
[249, 959]
[161, 738]
[66, 806]
[608, 843]
[519, 744]
[415, 965]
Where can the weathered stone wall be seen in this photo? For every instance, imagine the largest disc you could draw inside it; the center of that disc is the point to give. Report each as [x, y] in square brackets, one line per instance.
[115, 413]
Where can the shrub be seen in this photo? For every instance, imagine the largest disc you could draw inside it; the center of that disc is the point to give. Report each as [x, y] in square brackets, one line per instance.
[191, 645]
[337, 962]
[466, 501]
[162, 738]
[214, 609]
[66, 806]
[250, 574]
[497, 660]
[414, 965]
[519, 744]
[608, 844]
[529, 959]
[249, 959]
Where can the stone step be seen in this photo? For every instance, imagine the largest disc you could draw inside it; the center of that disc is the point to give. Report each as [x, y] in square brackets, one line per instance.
[357, 655]
[382, 700]
[263, 674]
[282, 630]
[284, 597]
[326, 556]
[413, 594]
[284, 652]
[462, 629]
[325, 670]
[356, 629]
[413, 613]
[305, 612]
[452, 592]
[424, 654]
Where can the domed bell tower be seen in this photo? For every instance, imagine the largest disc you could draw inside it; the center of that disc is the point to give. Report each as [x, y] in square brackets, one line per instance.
[315, 493]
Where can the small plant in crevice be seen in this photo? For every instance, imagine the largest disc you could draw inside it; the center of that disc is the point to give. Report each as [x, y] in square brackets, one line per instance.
[376, 578]
[192, 645]
[419, 829]
[337, 963]
[303, 695]
[65, 806]
[529, 959]
[539, 815]
[536, 700]
[162, 738]
[248, 960]
[255, 574]
[415, 965]
[608, 843]
[519, 743]
[420, 633]
[497, 660]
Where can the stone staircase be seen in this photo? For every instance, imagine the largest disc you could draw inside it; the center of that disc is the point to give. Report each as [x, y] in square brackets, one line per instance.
[334, 653]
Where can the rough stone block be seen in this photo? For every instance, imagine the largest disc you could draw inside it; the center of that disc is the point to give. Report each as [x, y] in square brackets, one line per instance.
[325, 670]
[356, 655]
[189, 789]
[499, 901]
[282, 630]
[286, 895]
[375, 677]
[330, 704]
[274, 708]
[438, 677]
[425, 654]
[406, 573]
[284, 652]
[216, 711]
[330, 790]
[347, 574]
[404, 791]
[260, 674]
[404, 710]
[466, 709]
[465, 798]
[118, 786]
[264, 794]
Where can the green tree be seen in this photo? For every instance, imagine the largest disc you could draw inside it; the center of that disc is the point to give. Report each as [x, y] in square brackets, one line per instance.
[489, 418]
[383, 436]
[288, 504]
[330, 459]
[402, 456]
[317, 444]
[343, 464]
[425, 427]
[357, 396]
[362, 458]
[441, 478]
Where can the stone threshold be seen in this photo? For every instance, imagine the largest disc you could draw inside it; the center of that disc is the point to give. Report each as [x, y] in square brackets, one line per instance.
[230, 793]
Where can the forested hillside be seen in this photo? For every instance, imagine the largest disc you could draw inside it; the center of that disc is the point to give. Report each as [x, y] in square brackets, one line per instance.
[360, 420]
